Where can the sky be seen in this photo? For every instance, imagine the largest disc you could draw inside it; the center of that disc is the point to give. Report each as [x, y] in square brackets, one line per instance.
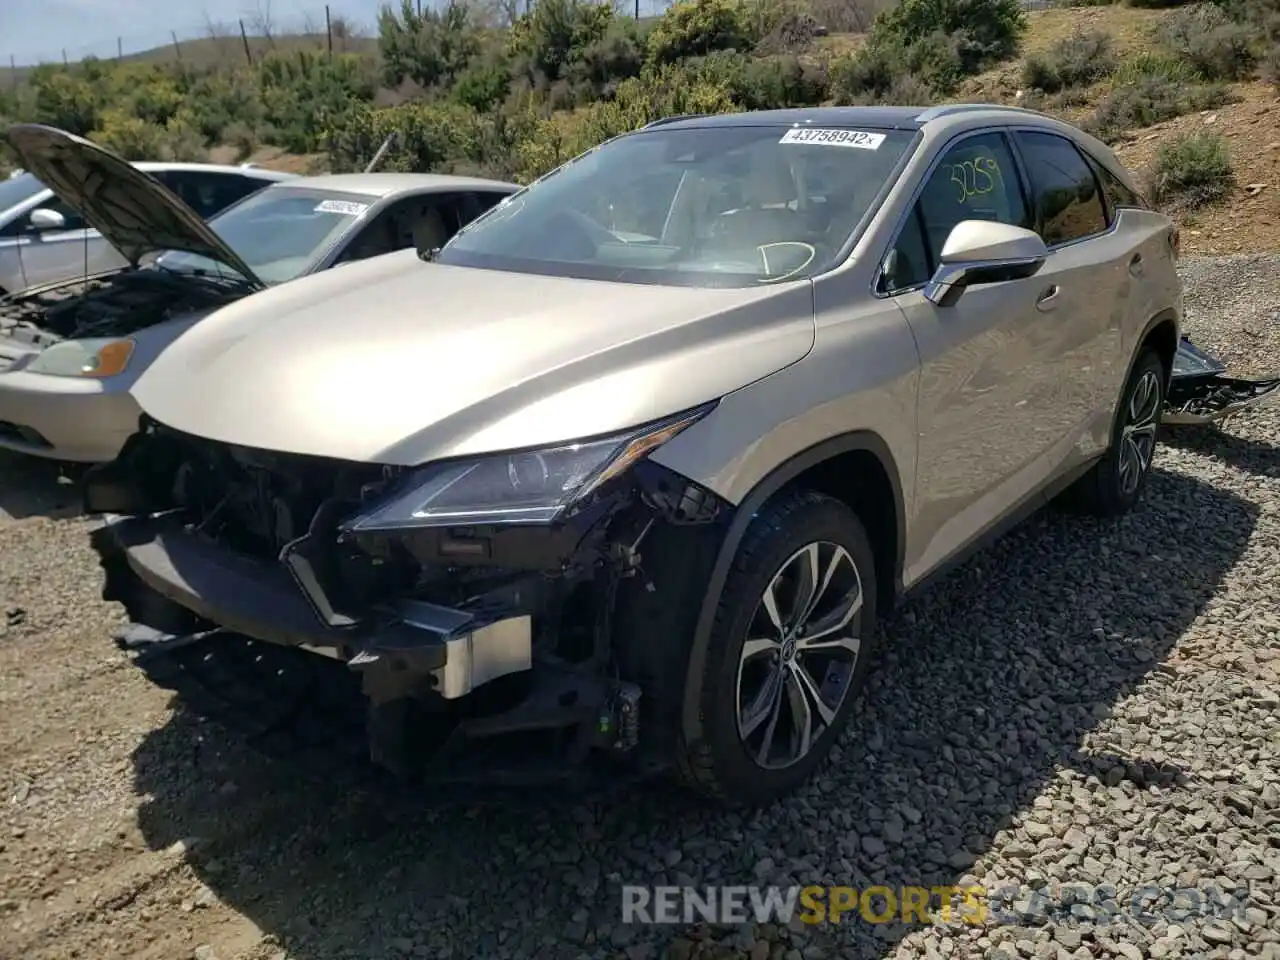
[38, 31]
[32, 31]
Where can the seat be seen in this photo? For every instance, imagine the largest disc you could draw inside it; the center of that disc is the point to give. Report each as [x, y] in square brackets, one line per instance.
[430, 231]
[764, 217]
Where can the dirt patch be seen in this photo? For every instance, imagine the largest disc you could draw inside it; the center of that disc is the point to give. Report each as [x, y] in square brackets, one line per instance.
[1249, 221]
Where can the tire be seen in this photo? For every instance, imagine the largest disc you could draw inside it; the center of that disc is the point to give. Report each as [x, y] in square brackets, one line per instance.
[1117, 481]
[730, 762]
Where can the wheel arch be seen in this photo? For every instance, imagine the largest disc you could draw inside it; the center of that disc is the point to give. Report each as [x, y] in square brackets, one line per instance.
[856, 467]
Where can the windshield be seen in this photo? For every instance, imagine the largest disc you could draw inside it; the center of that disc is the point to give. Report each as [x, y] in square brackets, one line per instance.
[712, 206]
[280, 232]
[13, 190]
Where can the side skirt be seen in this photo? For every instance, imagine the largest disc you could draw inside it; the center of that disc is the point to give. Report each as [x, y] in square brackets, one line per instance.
[1023, 511]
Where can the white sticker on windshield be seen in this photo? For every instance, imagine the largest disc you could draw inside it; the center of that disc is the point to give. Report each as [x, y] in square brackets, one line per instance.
[341, 206]
[834, 138]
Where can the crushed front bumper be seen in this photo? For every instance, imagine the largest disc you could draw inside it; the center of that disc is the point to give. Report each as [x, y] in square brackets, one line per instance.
[1200, 391]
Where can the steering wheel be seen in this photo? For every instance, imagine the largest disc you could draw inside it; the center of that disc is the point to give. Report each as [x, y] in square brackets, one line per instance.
[808, 250]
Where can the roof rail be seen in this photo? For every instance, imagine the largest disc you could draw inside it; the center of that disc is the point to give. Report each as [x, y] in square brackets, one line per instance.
[949, 109]
[662, 121]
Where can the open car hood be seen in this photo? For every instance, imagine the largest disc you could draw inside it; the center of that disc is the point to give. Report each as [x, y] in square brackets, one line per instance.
[132, 210]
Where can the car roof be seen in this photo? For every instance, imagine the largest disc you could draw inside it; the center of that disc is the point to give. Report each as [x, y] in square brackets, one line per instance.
[881, 117]
[937, 123]
[388, 184]
[259, 173]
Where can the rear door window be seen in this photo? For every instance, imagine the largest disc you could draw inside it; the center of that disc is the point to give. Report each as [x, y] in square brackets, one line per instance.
[209, 193]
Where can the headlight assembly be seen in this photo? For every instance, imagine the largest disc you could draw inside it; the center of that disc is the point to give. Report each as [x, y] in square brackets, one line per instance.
[529, 487]
[104, 357]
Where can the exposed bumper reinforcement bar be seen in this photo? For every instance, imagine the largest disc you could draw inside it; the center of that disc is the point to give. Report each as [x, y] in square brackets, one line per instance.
[263, 602]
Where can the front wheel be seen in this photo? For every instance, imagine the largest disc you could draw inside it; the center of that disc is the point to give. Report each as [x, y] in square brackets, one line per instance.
[788, 652]
[1116, 482]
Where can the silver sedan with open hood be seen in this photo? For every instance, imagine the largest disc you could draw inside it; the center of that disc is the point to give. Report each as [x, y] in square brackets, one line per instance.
[71, 351]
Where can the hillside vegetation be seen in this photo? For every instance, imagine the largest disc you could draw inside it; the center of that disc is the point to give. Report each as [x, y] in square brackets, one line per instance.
[467, 96]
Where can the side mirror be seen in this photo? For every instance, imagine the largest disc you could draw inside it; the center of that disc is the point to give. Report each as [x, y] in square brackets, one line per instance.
[984, 251]
[44, 219]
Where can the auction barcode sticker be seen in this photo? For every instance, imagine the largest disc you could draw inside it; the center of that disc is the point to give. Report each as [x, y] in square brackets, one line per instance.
[834, 138]
[341, 206]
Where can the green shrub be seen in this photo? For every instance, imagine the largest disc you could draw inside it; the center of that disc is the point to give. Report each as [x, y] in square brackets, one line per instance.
[1081, 59]
[300, 90]
[219, 101]
[868, 73]
[1153, 66]
[148, 91]
[1157, 4]
[1206, 38]
[757, 83]
[482, 86]
[1148, 101]
[982, 31]
[880, 72]
[241, 136]
[695, 28]
[617, 55]
[1192, 170]
[183, 141]
[131, 137]
[65, 99]
[429, 48]
[435, 136]
[550, 39]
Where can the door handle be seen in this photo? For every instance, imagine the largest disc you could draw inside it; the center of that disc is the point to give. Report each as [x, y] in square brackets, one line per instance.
[1135, 265]
[1048, 299]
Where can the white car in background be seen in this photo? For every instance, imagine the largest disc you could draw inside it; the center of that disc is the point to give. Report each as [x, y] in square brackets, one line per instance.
[70, 351]
[44, 239]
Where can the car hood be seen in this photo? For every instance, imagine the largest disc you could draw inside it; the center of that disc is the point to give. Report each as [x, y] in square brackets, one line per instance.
[396, 361]
[133, 211]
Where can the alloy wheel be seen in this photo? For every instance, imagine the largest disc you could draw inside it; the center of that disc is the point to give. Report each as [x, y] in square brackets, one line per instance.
[801, 649]
[1138, 435]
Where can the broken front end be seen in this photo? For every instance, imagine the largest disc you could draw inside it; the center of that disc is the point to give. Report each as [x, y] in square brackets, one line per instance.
[509, 618]
[1201, 392]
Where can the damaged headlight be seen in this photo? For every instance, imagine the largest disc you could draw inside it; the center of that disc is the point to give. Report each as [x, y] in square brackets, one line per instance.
[533, 486]
[104, 357]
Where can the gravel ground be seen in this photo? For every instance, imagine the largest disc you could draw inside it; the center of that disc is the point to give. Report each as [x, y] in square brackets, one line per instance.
[1107, 718]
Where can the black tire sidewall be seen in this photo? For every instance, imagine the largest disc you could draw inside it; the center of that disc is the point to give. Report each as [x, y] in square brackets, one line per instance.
[775, 536]
[1148, 361]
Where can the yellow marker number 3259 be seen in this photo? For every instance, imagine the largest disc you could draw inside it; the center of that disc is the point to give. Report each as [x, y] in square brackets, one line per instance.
[974, 178]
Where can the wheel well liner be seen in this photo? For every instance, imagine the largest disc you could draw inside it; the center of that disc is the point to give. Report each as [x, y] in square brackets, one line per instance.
[1161, 332]
[846, 467]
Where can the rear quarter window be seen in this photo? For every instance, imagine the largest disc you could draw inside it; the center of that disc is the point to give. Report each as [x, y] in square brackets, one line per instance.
[1119, 197]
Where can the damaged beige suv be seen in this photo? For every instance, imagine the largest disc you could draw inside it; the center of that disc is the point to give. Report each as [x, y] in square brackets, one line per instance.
[622, 477]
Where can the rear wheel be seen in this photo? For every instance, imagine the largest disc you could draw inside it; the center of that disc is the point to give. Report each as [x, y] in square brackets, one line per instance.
[1117, 481]
[788, 652]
